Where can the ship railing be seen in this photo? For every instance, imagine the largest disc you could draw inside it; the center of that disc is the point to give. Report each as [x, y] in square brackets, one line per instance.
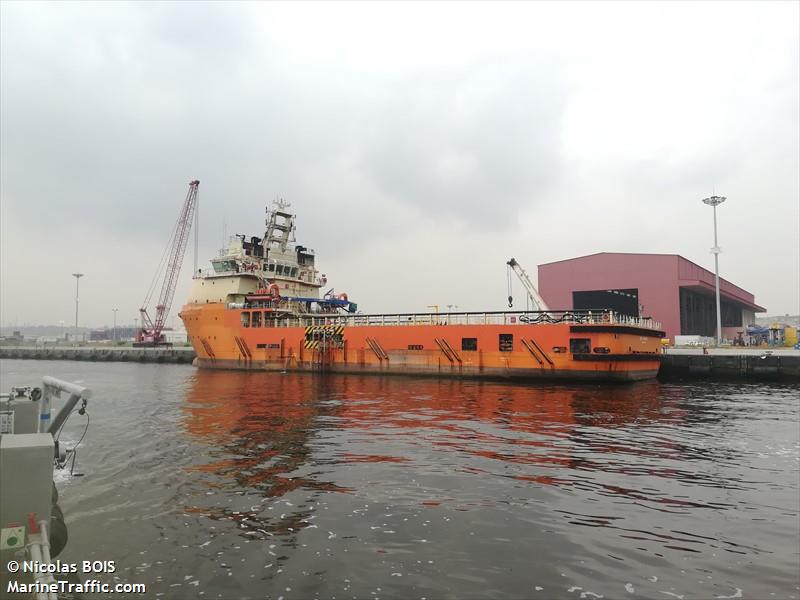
[572, 317]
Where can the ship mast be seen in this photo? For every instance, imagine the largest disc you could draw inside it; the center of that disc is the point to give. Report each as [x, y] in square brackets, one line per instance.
[280, 226]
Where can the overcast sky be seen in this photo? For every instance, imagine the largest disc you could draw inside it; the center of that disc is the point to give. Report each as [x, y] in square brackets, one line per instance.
[421, 144]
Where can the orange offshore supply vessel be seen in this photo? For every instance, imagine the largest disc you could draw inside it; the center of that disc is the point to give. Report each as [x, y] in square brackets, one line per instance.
[260, 308]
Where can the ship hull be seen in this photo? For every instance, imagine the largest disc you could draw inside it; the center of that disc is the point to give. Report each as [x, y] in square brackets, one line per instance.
[511, 350]
[492, 373]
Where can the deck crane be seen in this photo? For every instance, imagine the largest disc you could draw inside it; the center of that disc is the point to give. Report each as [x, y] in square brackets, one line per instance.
[538, 301]
[150, 333]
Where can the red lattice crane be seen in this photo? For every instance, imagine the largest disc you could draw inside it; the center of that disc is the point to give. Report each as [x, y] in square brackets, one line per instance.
[151, 332]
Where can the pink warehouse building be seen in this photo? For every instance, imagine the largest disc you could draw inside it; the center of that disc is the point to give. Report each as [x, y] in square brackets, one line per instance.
[667, 287]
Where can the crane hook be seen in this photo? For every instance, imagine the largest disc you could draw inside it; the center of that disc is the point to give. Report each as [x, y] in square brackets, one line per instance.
[508, 277]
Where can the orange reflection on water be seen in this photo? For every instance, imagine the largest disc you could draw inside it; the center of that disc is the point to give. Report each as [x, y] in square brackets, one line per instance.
[265, 427]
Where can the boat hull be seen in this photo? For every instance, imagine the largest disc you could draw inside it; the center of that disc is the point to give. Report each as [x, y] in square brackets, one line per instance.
[518, 374]
[512, 350]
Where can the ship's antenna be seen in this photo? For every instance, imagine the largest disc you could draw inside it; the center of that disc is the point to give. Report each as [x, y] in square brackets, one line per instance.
[224, 231]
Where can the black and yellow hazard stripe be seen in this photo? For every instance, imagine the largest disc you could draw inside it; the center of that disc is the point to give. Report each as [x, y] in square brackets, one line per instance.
[324, 330]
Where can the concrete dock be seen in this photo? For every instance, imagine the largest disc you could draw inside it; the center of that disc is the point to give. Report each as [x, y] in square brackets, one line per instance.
[100, 354]
[731, 363]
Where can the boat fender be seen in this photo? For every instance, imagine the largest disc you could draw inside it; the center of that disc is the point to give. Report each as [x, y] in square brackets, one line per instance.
[58, 526]
[58, 531]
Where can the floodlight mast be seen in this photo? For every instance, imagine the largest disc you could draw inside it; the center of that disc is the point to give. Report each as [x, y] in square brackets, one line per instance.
[715, 201]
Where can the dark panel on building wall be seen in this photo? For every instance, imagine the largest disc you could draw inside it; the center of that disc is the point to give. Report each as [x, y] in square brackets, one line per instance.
[625, 301]
[699, 313]
[731, 314]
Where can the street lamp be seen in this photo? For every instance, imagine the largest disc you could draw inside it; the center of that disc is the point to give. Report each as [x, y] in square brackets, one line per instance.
[114, 310]
[77, 277]
[714, 201]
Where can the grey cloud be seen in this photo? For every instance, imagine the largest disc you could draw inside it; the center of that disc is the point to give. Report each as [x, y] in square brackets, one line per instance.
[476, 144]
[108, 110]
[159, 94]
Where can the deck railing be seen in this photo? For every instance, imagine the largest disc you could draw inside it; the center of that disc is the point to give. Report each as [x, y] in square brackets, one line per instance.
[573, 317]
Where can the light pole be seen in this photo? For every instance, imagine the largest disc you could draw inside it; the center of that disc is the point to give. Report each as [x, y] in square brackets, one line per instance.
[714, 201]
[77, 277]
[114, 310]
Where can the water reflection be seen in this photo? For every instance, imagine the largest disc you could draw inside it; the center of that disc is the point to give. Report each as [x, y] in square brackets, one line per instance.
[225, 484]
[263, 430]
[631, 463]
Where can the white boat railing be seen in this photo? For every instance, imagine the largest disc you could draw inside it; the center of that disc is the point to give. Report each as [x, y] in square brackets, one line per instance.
[572, 317]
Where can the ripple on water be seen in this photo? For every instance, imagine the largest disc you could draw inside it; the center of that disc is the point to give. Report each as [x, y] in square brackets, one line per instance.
[246, 484]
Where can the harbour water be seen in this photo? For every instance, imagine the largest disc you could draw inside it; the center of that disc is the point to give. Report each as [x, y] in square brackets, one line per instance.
[250, 485]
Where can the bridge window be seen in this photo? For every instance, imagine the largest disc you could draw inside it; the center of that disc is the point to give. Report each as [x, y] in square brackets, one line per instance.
[245, 319]
[506, 342]
[223, 266]
[580, 345]
[256, 322]
[469, 343]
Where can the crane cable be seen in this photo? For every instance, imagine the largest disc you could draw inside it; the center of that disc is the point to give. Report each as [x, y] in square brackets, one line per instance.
[160, 268]
[510, 297]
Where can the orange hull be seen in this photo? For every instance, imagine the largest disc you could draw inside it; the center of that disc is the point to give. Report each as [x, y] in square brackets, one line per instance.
[224, 338]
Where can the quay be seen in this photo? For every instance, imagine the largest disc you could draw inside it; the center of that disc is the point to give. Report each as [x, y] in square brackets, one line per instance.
[676, 363]
[730, 363]
[100, 354]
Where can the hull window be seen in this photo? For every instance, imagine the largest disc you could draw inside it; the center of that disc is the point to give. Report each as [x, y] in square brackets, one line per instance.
[506, 342]
[245, 319]
[469, 343]
[580, 346]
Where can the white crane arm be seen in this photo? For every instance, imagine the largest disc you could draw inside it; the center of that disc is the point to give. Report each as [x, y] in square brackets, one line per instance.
[538, 301]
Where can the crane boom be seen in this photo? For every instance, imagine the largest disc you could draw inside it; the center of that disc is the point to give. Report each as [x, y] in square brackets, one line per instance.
[151, 332]
[538, 301]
